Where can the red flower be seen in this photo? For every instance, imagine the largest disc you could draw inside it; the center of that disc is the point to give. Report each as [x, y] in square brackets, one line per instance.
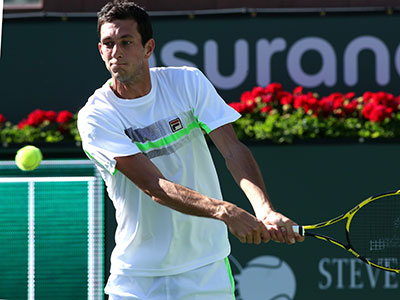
[266, 109]
[36, 117]
[379, 98]
[50, 115]
[246, 96]
[273, 88]
[250, 105]
[338, 103]
[258, 92]
[287, 99]
[326, 104]
[351, 107]
[376, 113]
[298, 90]
[299, 101]
[267, 98]
[366, 111]
[366, 96]
[311, 104]
[64, 116]
[380, 113]
[350, 95]
[2, 119]
[307, 102]
[22, 124]
[238, 106]
[248, 101]
[375, 107]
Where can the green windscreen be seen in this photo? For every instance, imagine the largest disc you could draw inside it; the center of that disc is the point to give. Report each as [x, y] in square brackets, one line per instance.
[51, 231]
[13, 240]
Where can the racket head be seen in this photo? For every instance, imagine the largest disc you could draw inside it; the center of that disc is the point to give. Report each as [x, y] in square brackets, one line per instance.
[373, 231]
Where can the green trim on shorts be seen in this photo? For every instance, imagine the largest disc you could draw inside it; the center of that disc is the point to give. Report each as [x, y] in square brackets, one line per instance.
[232, 280]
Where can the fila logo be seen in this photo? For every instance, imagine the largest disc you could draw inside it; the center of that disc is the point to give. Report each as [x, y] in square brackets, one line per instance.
[175, 125]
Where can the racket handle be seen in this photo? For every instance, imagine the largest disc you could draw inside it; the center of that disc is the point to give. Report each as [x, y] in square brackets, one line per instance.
[296, 229]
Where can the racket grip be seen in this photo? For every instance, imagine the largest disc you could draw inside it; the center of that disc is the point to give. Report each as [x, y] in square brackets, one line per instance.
[296, 229]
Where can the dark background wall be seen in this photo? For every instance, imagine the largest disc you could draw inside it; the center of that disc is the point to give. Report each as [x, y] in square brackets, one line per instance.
[171, 5]
[52, 62]
[311, 183]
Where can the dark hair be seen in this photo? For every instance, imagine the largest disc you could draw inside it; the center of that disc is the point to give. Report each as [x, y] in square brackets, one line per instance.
[125, 10]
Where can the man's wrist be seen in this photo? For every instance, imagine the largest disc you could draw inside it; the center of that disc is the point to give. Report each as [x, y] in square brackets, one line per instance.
[224, 211]
[264, 210]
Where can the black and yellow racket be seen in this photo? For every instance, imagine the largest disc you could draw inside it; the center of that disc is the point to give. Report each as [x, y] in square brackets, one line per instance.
[372, 231]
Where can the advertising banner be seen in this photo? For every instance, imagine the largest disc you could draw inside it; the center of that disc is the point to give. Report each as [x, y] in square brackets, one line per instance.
[323, 54]
[60, 65]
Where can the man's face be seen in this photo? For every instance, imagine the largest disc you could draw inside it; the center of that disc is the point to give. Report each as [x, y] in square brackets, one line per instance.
[122, 50]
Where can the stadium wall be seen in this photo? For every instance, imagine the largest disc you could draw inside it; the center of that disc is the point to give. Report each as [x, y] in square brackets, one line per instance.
[56, 66]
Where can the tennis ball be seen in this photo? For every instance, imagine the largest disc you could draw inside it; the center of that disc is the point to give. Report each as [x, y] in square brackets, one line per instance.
[28, 158]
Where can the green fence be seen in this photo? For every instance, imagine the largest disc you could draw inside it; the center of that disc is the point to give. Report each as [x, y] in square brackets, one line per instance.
[51, 231]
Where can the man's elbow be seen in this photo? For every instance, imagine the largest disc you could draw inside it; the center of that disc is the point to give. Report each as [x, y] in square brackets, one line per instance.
[155, 189]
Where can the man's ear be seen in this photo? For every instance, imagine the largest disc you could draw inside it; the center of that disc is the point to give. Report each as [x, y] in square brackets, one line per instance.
[149, 48]
[101, 51]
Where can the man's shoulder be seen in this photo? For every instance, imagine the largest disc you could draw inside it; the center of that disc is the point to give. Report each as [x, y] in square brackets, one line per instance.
[175, 71]
[96, 104]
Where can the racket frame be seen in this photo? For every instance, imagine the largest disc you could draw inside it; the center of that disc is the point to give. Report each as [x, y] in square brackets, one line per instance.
[303, 230]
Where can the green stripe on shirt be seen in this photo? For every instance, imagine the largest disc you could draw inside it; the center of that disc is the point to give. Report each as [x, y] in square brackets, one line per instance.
[168, 139]
[203, 125]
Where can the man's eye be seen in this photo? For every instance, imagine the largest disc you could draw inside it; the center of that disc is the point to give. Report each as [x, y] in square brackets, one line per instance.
[126, 43]
[108, 44]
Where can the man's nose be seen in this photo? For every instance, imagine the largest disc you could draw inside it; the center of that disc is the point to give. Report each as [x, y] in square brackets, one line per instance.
[116, 51]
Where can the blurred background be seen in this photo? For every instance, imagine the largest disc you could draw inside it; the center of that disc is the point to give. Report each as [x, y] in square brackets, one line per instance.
[51, 61]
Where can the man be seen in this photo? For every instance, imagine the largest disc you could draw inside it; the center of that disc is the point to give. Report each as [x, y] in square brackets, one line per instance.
[143, 130]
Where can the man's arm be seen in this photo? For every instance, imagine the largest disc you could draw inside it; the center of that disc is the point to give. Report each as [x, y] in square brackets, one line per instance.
[141, 171]
[247, 174]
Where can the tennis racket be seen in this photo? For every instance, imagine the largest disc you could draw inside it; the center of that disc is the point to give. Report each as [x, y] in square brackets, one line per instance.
[372, 231]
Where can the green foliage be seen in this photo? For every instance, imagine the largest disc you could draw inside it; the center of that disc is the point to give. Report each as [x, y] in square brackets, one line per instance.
[43, 130]
[276, 115]
[287, 128]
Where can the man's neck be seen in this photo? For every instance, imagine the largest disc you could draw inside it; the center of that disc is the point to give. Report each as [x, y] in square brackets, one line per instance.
[132, 90]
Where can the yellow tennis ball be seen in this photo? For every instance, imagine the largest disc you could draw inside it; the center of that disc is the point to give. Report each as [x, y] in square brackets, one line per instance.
[28, 158]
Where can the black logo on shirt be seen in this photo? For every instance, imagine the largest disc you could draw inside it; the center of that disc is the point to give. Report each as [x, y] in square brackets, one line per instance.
[175, 125]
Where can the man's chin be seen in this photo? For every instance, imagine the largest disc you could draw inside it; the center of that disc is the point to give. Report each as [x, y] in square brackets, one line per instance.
[120, 77]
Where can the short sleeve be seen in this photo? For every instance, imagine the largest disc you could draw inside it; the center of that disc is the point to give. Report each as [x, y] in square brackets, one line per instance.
[210, 110]
[102, 140]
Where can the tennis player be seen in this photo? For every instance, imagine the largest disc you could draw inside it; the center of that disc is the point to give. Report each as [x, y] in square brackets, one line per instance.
[144, 130]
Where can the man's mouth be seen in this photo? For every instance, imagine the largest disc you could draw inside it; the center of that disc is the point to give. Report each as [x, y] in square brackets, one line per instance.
[118, 64]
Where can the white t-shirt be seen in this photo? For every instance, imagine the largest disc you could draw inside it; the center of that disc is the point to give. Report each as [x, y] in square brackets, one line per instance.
[165, 125]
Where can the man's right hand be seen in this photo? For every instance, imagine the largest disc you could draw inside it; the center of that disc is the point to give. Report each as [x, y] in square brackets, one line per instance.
[246, 227]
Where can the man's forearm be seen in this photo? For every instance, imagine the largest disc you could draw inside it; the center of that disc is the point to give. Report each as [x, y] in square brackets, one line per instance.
[149, 179]
[187, 201]
[242, 224]
[247, 174]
